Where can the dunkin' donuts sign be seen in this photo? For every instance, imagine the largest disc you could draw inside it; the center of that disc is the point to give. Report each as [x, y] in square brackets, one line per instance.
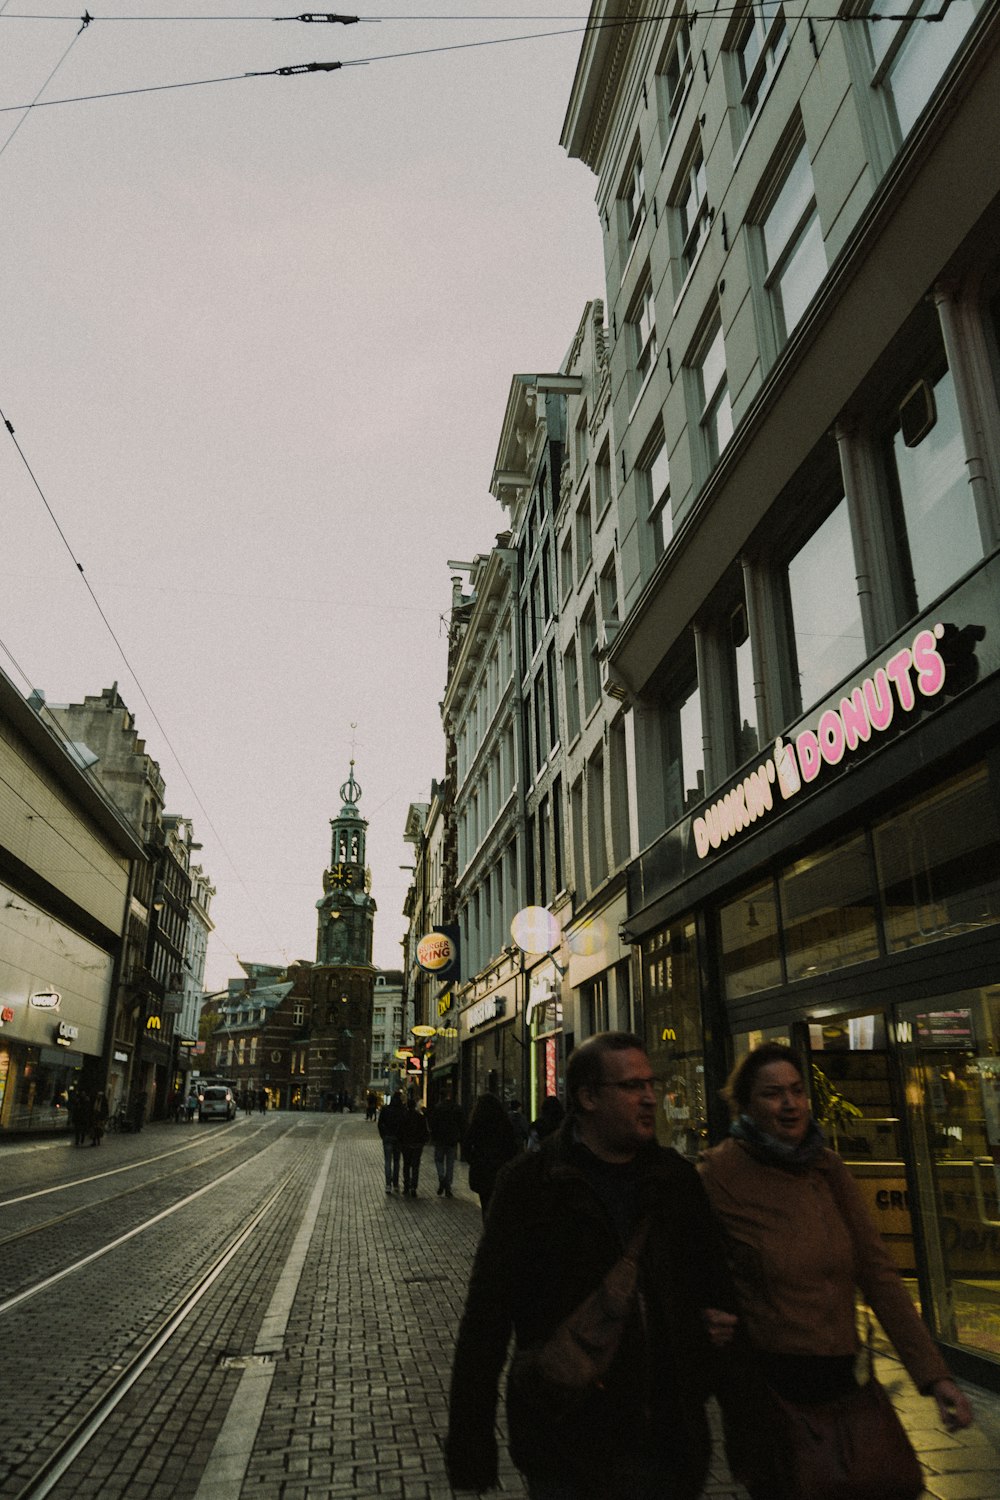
[911, 674]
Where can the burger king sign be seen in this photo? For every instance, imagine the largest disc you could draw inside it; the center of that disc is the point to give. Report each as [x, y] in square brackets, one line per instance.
[437, 953]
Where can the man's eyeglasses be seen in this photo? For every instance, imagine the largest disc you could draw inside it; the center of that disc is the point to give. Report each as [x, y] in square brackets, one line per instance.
[628, 1085]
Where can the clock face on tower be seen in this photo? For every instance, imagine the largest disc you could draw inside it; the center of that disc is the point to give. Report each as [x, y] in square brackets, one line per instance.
[339, 877]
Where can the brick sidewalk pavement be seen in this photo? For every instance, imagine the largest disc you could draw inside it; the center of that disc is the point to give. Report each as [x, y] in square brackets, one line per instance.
[357, 1408]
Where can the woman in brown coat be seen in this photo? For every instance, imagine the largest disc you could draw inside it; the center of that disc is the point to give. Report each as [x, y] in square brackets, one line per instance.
[800, 1240]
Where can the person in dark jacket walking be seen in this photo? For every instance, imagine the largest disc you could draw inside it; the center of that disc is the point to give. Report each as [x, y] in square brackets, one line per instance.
[447, 1125]
[390, 1119]
[489, 1143]
[413, 1134]
[560, 1220]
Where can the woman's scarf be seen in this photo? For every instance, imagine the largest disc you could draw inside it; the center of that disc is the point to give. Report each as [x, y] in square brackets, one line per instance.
[777, 1153]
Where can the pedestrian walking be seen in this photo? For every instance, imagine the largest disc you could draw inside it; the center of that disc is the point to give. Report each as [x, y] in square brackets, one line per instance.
[99, 1113]
[600, 1254]
[390, 1119]
[191, 1105]
[262, 1101]
[413, 1135]
[548, 1121]
[800, 1242]
[520, 1123]
[371, 1105]
[447, 1125]
[489, 1143]
[79, 1113]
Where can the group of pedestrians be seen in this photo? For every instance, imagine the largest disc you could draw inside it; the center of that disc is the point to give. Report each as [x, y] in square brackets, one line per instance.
[494, 1135]
[635, 1284]
[88, 1116]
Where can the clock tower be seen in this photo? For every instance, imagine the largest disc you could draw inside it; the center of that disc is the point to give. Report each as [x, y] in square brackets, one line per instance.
[346, 909]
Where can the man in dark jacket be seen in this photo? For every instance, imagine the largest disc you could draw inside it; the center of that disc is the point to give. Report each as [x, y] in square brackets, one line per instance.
[447, 1126]
[390, 1120]
[560, 1219]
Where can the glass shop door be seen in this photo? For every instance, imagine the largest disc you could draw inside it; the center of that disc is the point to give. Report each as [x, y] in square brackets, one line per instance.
[950, 1054]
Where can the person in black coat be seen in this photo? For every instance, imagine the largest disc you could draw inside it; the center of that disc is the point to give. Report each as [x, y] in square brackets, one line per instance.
[489, 1142]
[413, 1135]
[390, 1119]
[560, 1220]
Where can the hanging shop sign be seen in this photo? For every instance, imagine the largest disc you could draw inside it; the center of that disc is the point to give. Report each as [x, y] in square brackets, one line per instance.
[438, 951]
[46, 1000]
[904, 682]
[6, 1015]
[66, 1034]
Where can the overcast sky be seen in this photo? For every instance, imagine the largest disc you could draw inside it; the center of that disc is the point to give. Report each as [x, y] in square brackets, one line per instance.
[256, 339]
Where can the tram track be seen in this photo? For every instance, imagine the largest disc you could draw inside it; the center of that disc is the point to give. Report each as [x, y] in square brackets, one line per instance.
[137, 1187]
[69, 1448]
[45, 1283]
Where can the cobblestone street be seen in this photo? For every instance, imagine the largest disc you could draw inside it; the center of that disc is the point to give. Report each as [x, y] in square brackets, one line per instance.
[322, 1370]
[383, 1288]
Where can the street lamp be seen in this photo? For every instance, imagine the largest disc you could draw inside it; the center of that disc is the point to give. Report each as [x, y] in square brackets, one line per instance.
[534, 930]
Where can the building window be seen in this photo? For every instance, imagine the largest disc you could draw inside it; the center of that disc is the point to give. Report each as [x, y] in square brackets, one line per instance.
[584, 535]
[828, 910]
[571, 679]
[618, 789]
[581, 445]
[576, 820]
[608, 583]
[672, 985]
[544, 835]
[792, 243]
[685, 751]
[750, 942]
[715, 416]
[550, 675]
[743, 716]
[642, 325]
[557, 835]
[602, 479]
[566, 564]
[672, 78]
[632, 199]
[541, 720]
[597, 844]
[910, 57]
[758, 48]
[938, 862]
[653, 475]
[826, 628]
[590, 662]
[690, 202]
[930, 479]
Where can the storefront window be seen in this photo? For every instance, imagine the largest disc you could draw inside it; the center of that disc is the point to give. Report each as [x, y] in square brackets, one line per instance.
[951, 1053]
[828, 910]
[938, 861]
[674, 1036]
[751, 952]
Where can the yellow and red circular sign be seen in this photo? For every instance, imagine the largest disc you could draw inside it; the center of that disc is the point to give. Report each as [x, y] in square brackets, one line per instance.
[435, 951]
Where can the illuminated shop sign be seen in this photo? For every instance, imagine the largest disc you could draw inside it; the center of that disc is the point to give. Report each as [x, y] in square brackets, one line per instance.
[66, 1034]
[483, 1011]
[911, 675]
[6, 1015]
[438, 951]
[46, 1000]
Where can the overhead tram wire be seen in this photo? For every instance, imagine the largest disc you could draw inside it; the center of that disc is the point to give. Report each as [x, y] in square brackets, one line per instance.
[29, 107]
[360, 62]
[135, 678]
[694, 15]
